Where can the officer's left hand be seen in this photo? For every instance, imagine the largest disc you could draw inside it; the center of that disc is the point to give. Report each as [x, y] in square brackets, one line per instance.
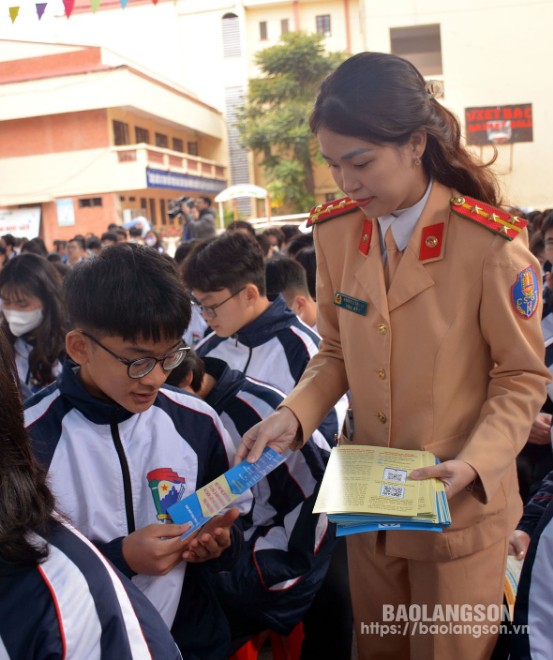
[212, 539]
[455, 475]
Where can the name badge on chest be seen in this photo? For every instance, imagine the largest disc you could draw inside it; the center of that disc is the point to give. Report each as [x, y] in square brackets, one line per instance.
[351, 304]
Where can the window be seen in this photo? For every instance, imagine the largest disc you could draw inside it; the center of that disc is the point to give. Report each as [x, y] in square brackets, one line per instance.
[231, 35]
[421, 45]
[89, 202]
[162, 141]
[263, 31]
[178, 145]
[323, 24]
[142, 135]
[120, 132]
[153, 214]
[163, 211]
[284, 26]
[192, 148]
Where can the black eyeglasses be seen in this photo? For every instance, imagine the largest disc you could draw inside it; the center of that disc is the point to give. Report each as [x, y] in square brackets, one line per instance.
[209, 310]
[142, 366]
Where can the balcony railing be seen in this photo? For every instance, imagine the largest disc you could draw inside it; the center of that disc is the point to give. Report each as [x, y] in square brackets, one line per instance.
[174, 161]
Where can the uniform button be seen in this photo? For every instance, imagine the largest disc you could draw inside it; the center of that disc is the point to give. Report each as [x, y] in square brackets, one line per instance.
[382, 328]
[382, 417]
[381, 374]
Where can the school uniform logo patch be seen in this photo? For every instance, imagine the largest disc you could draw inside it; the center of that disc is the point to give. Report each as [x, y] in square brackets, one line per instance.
[525, 293]
[167, 488]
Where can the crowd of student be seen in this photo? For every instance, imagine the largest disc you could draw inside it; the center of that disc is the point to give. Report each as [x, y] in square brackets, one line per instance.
[104, 418]
[103, 423]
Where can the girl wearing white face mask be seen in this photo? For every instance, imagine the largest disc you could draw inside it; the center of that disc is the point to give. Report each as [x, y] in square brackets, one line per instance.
[152, 240]
[32, 319]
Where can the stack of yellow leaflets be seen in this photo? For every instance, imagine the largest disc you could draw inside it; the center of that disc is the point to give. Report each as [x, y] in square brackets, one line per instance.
[366, 488]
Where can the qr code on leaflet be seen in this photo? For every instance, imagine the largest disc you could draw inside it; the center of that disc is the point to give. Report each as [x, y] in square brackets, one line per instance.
[392, 474]
[392, 491]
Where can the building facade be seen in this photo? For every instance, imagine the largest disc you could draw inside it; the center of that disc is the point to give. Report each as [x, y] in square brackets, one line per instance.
[89, 140]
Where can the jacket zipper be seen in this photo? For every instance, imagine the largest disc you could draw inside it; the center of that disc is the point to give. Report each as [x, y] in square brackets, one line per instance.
[129, 510]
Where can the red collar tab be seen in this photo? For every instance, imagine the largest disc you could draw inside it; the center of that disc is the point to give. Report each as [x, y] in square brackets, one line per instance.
[330, 210]
[365, 242]
[495, 220]
[431, 242]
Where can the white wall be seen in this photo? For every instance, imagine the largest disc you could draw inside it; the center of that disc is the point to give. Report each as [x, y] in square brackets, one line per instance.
[495, 52]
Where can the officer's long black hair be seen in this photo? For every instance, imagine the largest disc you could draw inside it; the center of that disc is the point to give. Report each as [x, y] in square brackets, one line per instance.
[384, 99]
[26, 503]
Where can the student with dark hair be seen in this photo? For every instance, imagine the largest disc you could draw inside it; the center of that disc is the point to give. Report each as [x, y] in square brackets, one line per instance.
[243, 226]
[287, 277]
[307, 257]
[197, 327]
[135, 234]
[287, 549]
[298, 243]
[35, 246]
[119, 447]
[122, 234]
[60, 247]
[33, 319]
[275, 238]
[182, 251]
[108, 238]
[10, 243]
[93, 245]
[3, 256]
[49, 571]
[289, 231]
[268, 342]
[429, 311]
[261, 339]
[76, 250]
[152, 239]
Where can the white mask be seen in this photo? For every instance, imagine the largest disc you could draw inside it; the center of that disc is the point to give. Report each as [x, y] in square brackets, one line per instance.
[23, 322]
[150, 241]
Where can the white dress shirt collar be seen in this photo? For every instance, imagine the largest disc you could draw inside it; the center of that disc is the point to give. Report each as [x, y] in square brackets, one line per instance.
[408, 217]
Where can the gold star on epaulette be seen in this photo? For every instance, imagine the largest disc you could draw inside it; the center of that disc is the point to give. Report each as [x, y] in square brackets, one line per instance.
[496, 220]
[333, 209]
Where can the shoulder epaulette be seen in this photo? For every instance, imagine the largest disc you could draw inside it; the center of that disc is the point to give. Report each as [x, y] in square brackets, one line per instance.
[495, 220]
[329, 210]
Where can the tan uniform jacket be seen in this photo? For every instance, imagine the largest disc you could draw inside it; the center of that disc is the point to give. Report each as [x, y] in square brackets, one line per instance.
[441, 362]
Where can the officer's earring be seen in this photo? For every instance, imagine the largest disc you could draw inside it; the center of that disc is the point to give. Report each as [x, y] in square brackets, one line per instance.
[417, 161]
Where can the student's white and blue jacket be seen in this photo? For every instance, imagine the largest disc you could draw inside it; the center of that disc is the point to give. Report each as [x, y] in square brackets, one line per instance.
[104, 464]
[288, 548]
[75, 605]
[275, 348]
[532, 633]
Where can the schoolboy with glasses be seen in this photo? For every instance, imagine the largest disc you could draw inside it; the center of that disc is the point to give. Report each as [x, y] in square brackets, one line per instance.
[268, 342]
[262, 339]
[120, 447]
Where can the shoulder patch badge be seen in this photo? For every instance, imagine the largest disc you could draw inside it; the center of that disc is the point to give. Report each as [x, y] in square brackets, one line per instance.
[329, 210]
[495, 220]
[525, 293]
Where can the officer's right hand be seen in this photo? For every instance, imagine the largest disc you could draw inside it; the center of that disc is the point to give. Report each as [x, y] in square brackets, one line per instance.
[279, 431]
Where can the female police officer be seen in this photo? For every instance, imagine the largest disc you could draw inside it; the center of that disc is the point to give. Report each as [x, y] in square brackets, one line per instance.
[429, 311]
